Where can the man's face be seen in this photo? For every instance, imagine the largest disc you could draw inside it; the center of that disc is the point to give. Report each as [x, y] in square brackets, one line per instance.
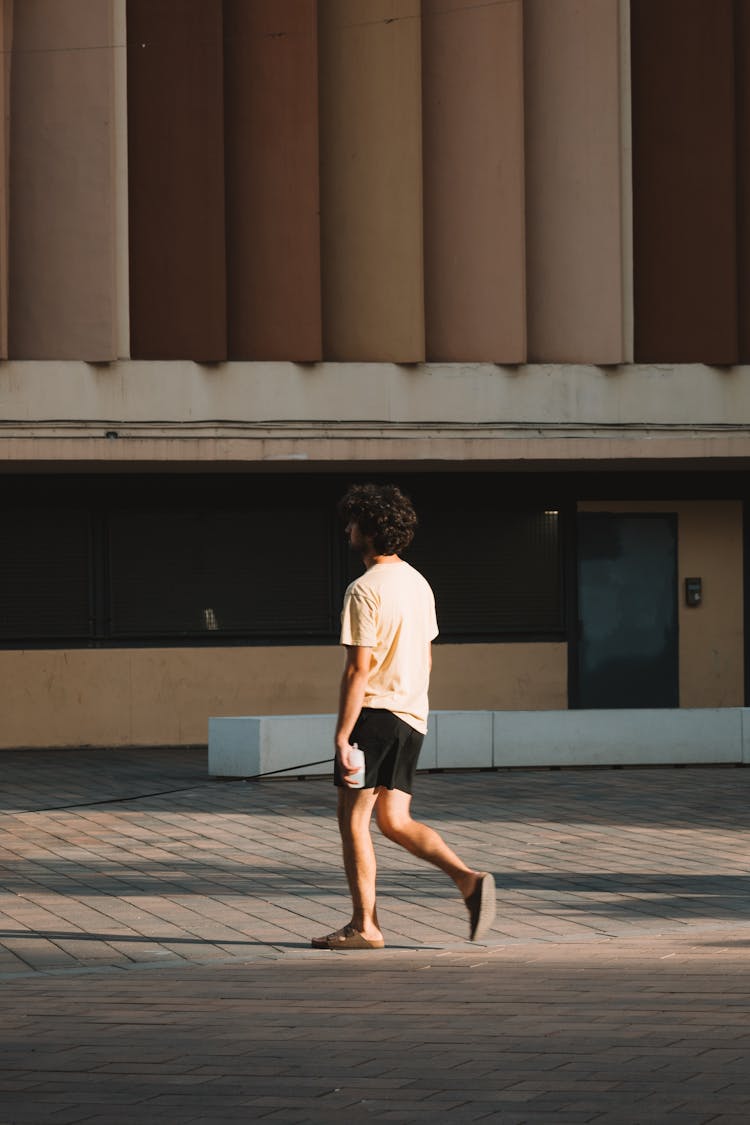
[357, 541]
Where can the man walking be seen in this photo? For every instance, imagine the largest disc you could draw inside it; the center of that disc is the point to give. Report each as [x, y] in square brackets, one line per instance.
[387, 625]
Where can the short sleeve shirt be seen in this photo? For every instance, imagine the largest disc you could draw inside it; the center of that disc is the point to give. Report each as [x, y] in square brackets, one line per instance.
[391, 609]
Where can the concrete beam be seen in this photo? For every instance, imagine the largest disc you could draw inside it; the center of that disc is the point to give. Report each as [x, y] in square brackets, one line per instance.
[690, 395]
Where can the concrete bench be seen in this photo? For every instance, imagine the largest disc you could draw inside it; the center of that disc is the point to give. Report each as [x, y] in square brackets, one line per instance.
[302, 745]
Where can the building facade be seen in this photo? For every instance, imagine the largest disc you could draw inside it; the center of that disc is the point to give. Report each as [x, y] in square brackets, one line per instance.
[254, 250]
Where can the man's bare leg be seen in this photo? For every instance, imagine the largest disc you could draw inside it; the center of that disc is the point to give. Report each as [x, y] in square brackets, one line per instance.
[354, 814]
[395, 821]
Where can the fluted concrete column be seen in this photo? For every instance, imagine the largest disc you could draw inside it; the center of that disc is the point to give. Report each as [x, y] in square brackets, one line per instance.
[176, 176]
[6, 42]
[575, 149]
[742, 90]
[684, 165]
[272, 196]
[371, 180]
[122, 242]
[62, 245]
[472, 80]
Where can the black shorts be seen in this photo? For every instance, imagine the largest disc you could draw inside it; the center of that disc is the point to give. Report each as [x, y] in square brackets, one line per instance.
[391, 749]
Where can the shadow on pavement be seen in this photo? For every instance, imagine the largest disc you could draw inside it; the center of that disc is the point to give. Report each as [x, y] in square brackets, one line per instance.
[46, 780]
[614, 895]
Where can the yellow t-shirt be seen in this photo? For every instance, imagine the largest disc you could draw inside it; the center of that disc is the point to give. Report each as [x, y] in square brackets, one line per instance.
[391, 609]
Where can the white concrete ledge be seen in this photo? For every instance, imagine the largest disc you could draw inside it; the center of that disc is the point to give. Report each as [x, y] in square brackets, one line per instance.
[619, 738]
[252, 745]
[301, 745]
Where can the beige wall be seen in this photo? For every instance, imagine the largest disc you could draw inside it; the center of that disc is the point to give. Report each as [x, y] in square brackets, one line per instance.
[502, 677]
[371, 180]
[142, 697]
[472, 81]
[63, 301]
[577, 304]
[711, 635]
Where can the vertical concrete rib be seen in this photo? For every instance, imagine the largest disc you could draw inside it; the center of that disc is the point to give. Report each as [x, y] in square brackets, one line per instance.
[574, 169]
[272, 196]
[473, 145]
[176, 176]
[6, 42]
[371, 180]
[742, 89]
[626, 181]
[120, 158]
[684, 177]
[62, 250]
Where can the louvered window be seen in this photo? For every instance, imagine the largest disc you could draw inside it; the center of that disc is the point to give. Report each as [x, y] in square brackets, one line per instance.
[493, 572]
[264, 573]
[211, 560]
[45, 575]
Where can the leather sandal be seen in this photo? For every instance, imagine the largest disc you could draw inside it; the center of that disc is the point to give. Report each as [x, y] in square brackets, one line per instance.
[481, 906]
[346, 938]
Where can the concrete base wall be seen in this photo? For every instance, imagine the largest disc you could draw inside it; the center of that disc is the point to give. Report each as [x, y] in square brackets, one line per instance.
[301, 745]
[164, 696]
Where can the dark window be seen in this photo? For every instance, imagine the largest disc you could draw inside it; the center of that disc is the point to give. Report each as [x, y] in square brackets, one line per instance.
[263, 573]
[493, 572]
[127, 560]
[45, 575]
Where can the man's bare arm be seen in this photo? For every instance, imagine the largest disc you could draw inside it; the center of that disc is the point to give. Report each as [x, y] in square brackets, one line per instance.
[351, 698]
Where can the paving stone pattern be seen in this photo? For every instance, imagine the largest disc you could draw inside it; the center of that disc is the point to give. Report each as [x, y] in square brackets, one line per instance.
[155, 960]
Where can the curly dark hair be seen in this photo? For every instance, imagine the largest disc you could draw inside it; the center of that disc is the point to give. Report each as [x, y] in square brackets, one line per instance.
[382, 513]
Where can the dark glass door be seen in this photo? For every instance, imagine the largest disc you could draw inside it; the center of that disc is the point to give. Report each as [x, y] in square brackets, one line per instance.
[627, 610]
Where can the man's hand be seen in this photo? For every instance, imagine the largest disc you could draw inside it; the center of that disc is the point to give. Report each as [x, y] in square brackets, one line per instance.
[351, 698]
[347, 769]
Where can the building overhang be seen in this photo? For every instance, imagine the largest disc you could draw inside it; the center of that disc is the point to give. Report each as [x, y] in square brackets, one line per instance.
[258, 415]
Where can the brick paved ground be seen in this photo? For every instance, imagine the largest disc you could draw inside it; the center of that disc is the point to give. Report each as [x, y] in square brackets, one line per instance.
[154, 958]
